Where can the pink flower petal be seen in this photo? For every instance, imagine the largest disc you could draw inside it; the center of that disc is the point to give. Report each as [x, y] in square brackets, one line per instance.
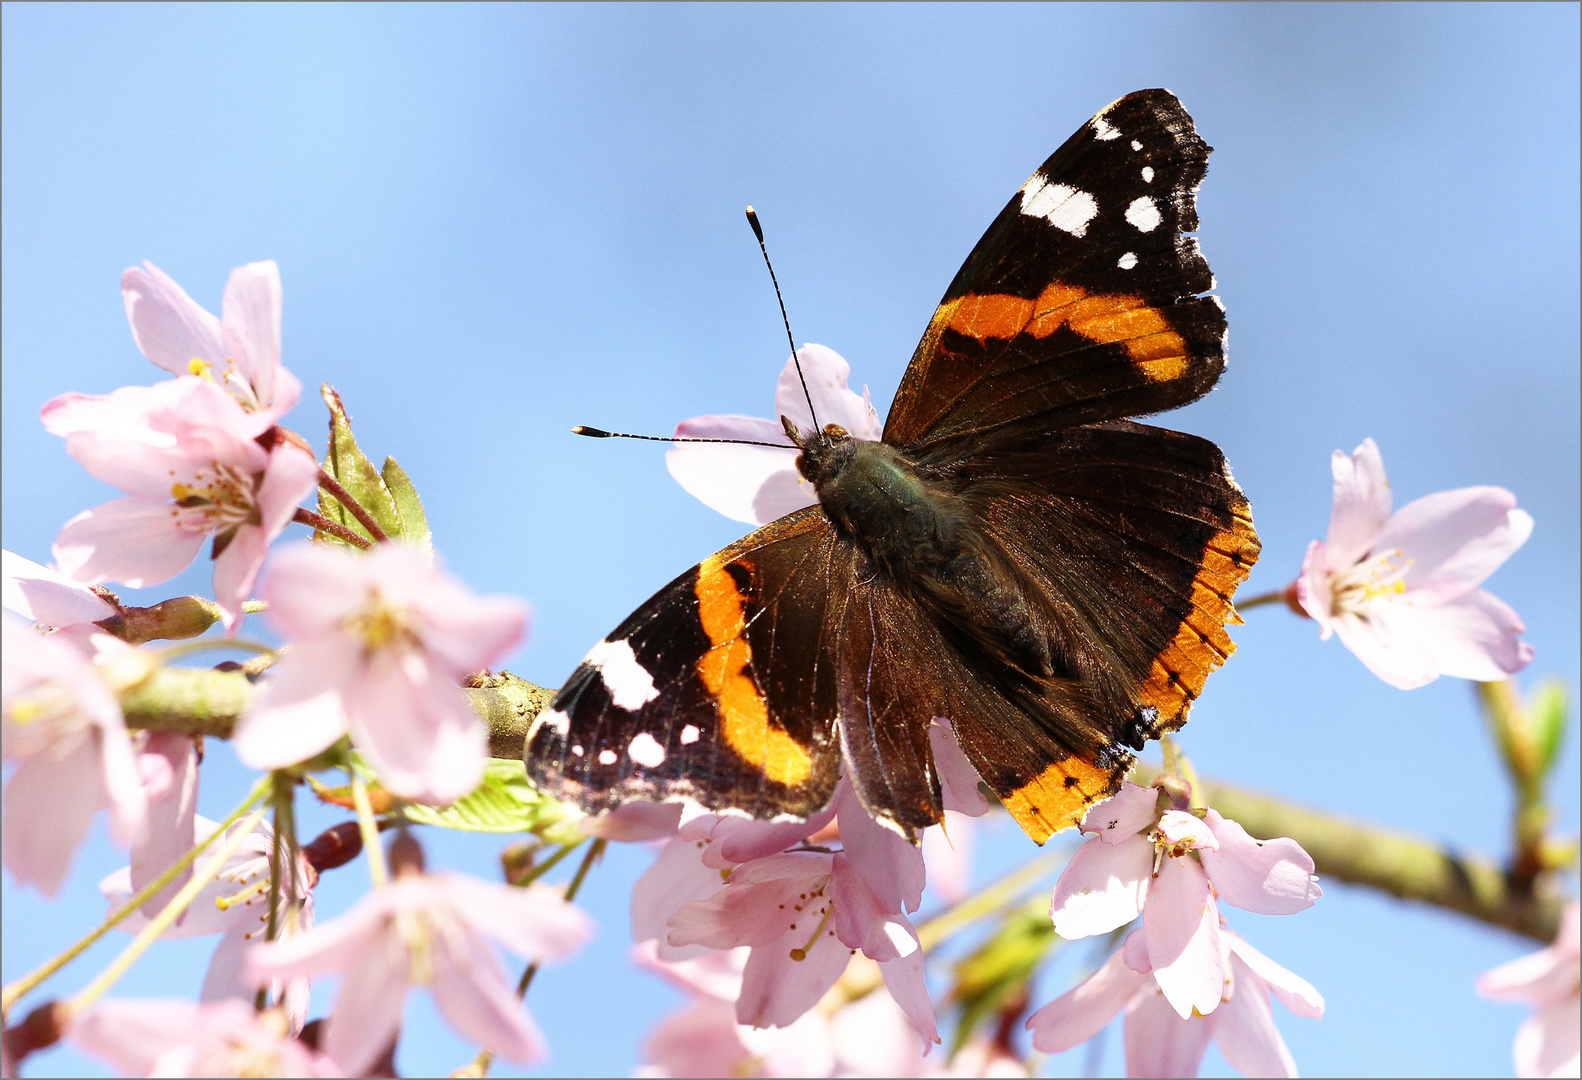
[226, 976]
[803, 1048]
[827, 375]
[947, 854]
[1181, 924]
[861, 920]
[1159, 1042]
[50, 801]
[250, 313]
[634, 822]
[1362, 504]
[738, 840]
[1121, 817]
[134, 542]
[677, 877]
[904, 978]
[1243, 1027]
[170, 328]
[313, 589]
[874, 1037]
[1294, 992]
[1313, 588]
[1082, 1012]
[472, 993]
[752, 484]
[47, 597]
[1476, 636]
[777, 987]
[172, 818]
[1388, 650]
[1549, 1042]
[1104, 886]
[891, 867]
[368, 1005]
[699, 1040]
[959, 782]
[716, 973]
[752, 914]
[298, 711]
[416, 728]
[291, 477]
[1178, 827]
[1270, 877]
[1452, 540]
[535, 923]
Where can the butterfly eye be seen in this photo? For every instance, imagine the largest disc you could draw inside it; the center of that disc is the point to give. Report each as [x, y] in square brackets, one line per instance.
[835, 431]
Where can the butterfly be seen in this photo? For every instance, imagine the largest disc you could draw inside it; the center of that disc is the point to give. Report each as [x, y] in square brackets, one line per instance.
[1018, 554]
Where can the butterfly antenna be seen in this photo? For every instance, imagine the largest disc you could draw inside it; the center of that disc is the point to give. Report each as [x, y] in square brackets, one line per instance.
[597, 433]
[758, 231]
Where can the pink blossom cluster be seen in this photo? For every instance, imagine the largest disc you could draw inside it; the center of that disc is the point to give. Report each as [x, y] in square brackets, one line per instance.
[1183, 978]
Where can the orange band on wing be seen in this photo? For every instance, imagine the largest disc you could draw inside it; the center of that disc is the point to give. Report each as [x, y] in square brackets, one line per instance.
[744, 715]
[1058, 797]
[1201, 644]
[1102, 318]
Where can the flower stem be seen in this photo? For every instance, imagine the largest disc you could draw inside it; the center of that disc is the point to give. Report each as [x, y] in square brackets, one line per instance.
[355, 508]
[334, 528]
[1261, 600]
[16, 990]
[187, 648]
[369, 828]
[84, 999]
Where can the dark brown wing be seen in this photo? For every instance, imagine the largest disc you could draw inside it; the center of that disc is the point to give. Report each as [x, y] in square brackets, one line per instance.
[718, 689]
[1135, 538]
[1080, 304]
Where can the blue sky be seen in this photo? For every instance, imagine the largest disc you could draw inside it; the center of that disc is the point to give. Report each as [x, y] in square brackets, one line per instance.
[495, 221]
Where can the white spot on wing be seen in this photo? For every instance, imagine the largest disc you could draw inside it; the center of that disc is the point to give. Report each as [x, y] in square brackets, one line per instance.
[630, 685]
[1128, 260]
[689, 734]
[1144, 214]
[553, 718]
[1063, 207]
[606, 757]
[576, 751]
[645, 750]
[1148, 174]
[1103, 130]
[1136, 145]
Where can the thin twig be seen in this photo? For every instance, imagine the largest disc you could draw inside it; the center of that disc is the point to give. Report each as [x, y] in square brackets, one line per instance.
[335, 529]
[355, 508]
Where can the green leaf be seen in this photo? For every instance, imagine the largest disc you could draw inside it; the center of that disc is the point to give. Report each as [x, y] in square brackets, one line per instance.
[414, 523]
[1547, 714]
[505, 802]
[992, 975]
[351, 468]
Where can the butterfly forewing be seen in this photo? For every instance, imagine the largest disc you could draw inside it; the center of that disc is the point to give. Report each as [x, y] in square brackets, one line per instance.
[1080, 303]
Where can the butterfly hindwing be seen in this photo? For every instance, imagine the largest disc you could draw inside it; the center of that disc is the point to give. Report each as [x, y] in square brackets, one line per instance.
[714, 690]
[1081, 303]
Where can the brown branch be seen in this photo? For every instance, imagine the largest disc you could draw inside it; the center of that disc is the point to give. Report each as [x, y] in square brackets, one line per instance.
[335, 529]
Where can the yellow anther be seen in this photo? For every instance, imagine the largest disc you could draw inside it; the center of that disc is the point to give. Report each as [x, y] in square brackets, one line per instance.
[200, 367]
[226, 903]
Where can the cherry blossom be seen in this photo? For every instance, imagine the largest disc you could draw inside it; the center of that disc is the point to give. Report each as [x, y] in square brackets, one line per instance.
[429, 930]
[1401, 588]
[1160, 1041]
[1172, 868]
[187, 455]
[727, 882]
[240, 351]
[704, 1038]
[1550, 980]
[179, 1038]
[379, 643]
[757, 484]
[235, 904]
[63, 727]
[48, 598]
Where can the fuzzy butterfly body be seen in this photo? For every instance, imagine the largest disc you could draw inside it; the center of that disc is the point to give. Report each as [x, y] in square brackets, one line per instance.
[1018, 555]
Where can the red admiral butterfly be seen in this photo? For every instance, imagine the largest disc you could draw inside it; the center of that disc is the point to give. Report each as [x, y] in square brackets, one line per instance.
[1017, 555]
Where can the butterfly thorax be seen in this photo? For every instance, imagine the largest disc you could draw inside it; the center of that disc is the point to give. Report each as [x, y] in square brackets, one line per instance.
[915, 529]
